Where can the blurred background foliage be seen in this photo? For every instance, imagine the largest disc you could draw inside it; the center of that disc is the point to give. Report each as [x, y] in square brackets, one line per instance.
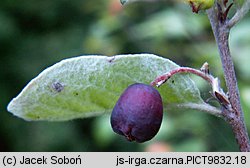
[36, 34]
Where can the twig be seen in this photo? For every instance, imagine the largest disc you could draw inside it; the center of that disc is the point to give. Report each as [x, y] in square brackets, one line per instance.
[235, 117]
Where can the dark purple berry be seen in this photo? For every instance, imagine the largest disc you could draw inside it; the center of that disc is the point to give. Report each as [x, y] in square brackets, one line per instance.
[138, 113]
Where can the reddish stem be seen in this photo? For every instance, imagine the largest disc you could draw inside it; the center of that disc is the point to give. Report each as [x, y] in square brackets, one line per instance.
[163, 78]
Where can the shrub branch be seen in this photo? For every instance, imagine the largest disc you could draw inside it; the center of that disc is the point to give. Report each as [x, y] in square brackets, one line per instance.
[221, 29]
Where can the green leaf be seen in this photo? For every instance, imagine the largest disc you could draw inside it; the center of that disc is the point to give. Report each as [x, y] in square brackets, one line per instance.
[88, 86]
[123, 1]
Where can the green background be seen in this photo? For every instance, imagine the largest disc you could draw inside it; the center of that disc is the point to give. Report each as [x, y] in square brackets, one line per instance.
[37, 34]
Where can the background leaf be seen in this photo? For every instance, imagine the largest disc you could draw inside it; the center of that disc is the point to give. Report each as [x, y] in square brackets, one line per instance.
[90, 85]
[239, 3]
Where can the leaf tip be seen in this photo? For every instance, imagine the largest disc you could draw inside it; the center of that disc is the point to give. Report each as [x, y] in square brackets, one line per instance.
[12, 108]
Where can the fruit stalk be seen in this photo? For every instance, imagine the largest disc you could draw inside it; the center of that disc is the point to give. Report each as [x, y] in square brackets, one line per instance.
[217, 92]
